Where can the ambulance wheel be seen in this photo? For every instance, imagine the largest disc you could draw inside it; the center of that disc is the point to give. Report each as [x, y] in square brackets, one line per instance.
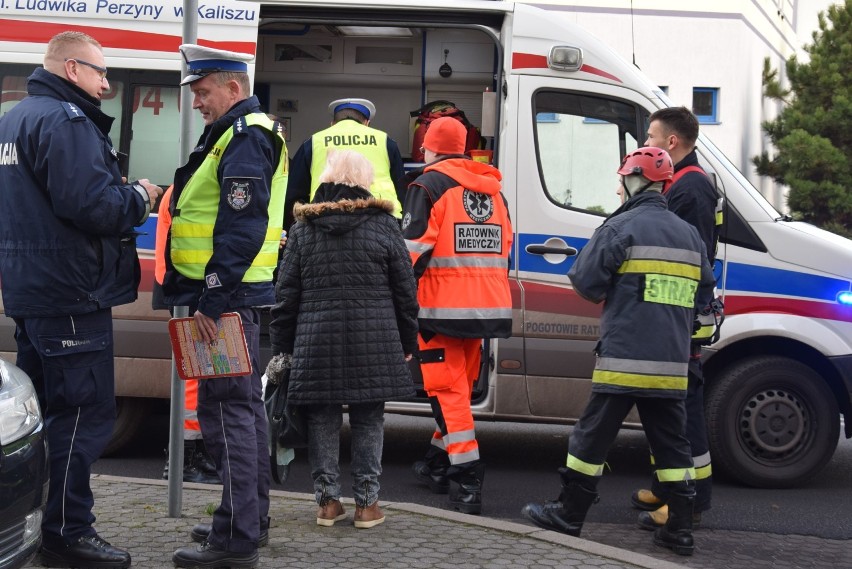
[130, 413]
[772, 421]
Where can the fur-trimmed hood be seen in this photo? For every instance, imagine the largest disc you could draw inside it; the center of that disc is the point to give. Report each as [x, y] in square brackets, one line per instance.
[341, 216]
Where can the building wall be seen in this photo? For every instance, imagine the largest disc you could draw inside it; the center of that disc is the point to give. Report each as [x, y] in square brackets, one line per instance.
[702, 43]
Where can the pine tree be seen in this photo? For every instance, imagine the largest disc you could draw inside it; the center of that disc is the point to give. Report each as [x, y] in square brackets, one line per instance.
[812, 135]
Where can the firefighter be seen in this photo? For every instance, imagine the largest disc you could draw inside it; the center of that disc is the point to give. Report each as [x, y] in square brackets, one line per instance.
[650, 269]
[692, 197]
[350, 130]
[457, 228]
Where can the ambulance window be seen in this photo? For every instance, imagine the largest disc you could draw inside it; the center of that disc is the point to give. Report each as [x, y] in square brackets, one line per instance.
[580, 140]
[155, 124]
[13, 89]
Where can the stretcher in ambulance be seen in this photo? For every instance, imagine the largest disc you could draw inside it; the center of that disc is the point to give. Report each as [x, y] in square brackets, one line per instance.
[556, 109]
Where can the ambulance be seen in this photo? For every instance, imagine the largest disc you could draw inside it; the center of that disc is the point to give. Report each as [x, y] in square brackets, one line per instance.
[556, 109]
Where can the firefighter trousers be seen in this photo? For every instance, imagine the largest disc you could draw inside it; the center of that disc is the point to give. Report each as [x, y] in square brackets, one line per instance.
[696, 434]
[663, 420]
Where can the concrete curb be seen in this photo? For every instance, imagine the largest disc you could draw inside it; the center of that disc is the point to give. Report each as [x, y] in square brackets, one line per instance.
[575, 543]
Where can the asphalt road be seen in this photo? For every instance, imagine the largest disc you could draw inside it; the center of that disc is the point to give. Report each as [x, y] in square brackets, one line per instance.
[521, 467]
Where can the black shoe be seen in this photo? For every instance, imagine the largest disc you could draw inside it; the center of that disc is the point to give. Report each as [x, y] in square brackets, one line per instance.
[200, 532]
[435, 478]
[206, 556]
[88, 551]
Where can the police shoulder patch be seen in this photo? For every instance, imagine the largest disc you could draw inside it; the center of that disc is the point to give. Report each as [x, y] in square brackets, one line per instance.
[73, 111]
[239, 194]
[479, 206]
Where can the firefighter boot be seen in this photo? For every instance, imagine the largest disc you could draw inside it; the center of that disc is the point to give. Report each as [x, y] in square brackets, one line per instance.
[565, 515]
[432, 470]
[646, 500]
[467, 497]
[677, 533]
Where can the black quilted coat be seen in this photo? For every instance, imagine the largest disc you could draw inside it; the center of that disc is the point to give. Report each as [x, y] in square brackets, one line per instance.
[346, 303]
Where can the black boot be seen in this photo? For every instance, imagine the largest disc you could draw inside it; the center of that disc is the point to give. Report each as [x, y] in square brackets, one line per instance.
[204, 461]
[677, 533]
[88, 551]
[467, 497]
[205, 555]
[432, 470]
[191, 470]
[200, 532]
[565, 515]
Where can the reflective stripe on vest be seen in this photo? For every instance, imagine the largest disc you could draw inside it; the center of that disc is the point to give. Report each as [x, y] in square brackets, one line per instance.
[369, 142]
[192, 230]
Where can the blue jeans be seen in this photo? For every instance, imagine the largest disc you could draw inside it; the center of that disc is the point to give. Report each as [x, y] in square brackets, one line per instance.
[367, 425]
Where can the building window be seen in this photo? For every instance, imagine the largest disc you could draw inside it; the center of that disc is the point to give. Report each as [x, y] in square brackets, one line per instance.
[705, 104]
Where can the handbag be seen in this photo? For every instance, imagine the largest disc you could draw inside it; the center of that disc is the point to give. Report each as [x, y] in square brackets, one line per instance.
[288, 428]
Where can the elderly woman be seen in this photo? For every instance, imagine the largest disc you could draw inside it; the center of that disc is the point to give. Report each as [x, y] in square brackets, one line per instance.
[346, 319]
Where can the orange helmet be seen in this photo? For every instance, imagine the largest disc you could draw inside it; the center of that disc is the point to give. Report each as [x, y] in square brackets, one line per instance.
[653, 164]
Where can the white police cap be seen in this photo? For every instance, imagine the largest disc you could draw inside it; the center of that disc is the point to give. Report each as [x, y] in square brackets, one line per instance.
[363, 106]
[203, 61]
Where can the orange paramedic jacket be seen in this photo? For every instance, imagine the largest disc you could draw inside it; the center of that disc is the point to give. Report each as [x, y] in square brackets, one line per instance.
[457, 228]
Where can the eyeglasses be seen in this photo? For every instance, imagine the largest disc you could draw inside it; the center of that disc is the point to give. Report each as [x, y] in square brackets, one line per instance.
[102, 71]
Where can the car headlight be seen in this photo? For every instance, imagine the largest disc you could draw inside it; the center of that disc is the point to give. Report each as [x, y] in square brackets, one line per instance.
[19, 411]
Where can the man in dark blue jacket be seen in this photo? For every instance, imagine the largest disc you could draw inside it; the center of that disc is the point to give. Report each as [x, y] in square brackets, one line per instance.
[67, 256]
[227, 212]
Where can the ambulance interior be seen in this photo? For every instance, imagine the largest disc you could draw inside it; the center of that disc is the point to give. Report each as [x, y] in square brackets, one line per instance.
[302, 67]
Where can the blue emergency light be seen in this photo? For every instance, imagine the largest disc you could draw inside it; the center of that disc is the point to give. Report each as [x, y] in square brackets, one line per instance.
[845, 297]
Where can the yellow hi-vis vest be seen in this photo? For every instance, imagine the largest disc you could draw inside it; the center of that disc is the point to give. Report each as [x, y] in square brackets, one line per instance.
[192, 230]
[371, 143]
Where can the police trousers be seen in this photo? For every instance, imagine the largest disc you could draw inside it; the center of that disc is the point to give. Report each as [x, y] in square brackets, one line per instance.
[70, 361]
[234, 428]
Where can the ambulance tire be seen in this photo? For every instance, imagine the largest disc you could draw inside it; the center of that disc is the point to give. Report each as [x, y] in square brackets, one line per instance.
[772, 421]
[130, 414]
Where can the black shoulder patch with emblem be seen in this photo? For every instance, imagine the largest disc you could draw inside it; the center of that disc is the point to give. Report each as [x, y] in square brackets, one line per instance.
[240, 127]
[239, 194]
[73, 111]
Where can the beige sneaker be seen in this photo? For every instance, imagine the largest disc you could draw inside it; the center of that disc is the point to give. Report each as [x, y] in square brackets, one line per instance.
[329, 513]
[368, 517]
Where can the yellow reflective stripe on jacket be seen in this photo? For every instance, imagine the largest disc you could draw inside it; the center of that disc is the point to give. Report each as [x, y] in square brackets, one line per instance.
[583, 467]
[669, 376]
[367, 141]
[645, 266]
[192, 230]
[675, 474]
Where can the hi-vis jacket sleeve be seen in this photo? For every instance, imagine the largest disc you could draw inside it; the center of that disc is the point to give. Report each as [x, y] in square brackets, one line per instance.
[421, 223]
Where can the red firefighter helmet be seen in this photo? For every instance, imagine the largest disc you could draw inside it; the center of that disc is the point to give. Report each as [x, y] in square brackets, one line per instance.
[653, 164]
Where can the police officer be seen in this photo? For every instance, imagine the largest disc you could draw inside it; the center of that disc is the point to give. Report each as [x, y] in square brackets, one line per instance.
[67, 256]
[227, 210]
[457, 228]
[349, 130]
[649, 268]
[692, 197]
